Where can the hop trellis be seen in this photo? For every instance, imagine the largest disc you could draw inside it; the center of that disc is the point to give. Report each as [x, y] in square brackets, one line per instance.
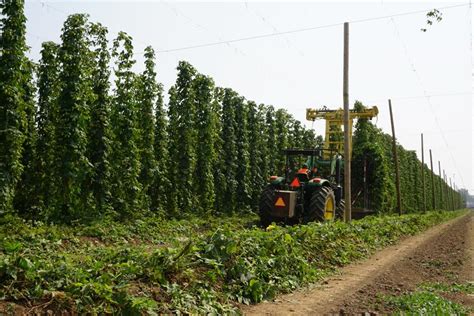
[90, 152]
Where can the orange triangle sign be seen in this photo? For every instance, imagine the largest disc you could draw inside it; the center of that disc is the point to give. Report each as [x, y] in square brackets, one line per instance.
[295, 183]
[280, 202]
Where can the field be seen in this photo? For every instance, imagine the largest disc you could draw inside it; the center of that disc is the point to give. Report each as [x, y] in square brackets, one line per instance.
[118, 196]
[195, 265]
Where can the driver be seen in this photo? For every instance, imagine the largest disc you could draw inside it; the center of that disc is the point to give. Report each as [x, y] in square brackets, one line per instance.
[304, 169]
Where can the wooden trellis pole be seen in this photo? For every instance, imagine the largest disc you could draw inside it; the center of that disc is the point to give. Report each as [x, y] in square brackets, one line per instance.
[395, 160]
[347, 132]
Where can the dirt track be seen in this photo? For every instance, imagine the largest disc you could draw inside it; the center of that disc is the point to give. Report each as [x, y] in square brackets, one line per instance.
[441, 254]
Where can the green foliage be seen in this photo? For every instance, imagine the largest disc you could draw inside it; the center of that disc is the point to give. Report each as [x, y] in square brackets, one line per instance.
[182, 140]
[46, 120]
[26, 200]
[229, 162]
[99, 145]
[257, 153]
[160, 180]
[373, 147]
[467, 288]
[425, 303]
[14, 118]
[148, 90]
[282, 121]
[193, 266]
[271, 141]
[72, 197]
[206, 120]
[125, 160]
[242, 194]
[220, 176]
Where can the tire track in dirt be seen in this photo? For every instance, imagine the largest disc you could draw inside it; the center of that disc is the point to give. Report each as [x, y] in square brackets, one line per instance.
[443, 253]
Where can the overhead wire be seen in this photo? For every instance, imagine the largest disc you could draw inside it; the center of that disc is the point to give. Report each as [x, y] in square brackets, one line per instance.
[300, 30]
[53, 8]
[426, 97]
[200, 26]
[271, 25]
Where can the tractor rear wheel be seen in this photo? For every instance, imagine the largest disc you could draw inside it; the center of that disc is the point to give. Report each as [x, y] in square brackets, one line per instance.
[340, 210]
[322, 206]
[266, 206]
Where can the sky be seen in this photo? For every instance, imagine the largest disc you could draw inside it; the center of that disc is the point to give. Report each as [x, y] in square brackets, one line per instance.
[427, 75]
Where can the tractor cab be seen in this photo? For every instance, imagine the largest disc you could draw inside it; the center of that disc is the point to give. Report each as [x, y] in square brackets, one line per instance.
[309, 190]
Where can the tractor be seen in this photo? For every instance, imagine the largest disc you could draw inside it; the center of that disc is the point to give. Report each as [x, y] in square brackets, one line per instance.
[309, 191]
[314, 192]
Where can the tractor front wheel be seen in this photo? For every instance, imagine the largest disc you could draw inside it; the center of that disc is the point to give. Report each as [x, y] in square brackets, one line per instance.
[322, 206]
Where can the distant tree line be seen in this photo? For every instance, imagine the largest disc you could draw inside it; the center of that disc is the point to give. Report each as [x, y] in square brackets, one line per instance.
[74, 148]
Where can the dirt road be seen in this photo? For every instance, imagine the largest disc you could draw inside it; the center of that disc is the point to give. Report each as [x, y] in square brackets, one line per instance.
[441, 254]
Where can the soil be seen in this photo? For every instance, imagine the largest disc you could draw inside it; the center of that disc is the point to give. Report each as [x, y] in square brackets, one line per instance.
[441, 254]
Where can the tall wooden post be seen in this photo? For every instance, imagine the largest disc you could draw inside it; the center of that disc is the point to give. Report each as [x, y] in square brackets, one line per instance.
[433, 195]
[440, 186]
[347, 132]
[423, 173]
[395, 160]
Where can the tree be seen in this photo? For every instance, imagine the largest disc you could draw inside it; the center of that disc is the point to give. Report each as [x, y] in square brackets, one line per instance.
[370, 145]
[46, 121]
[148, 90]
[182, 141]
[228, 157]
[26, 200]
[310, 140]
[220, 175]
[205, 123]
[256, 127]
[282, 119]
[126, 188]
[242, 155]
[12, 106]
[160, 180]
[72, 198]
[99, 146]
[271, 140]
[296, 134]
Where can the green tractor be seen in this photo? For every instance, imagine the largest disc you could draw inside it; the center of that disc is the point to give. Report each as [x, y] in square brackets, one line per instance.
[309, 191]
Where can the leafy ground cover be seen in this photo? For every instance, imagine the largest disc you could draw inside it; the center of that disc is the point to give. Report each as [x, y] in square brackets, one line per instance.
[430, 299]
[195, 265]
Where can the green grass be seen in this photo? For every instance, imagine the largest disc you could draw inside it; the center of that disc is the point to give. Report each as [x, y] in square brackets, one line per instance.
[195, 265]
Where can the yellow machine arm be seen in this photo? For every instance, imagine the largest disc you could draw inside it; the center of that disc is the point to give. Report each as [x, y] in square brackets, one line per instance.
[334, 140]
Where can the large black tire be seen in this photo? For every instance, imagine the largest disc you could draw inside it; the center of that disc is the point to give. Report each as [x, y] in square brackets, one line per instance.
[340, 210]
[318, 205]
[266, 206]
